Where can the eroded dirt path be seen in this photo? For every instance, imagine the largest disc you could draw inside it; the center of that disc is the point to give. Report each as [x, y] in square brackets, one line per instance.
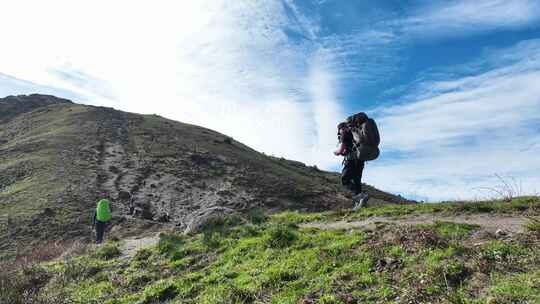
[130, 246]
[487, 222]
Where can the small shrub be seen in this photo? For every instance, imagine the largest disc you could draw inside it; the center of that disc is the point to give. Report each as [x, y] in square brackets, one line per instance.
[454, 273]
[416, 238]
[395, 251]
[168, 243]
[78, 269]
[159, 292]
[499, 255]
[181, 264]
[533, 225]
[35, 276]
[329, 299]
[278, 277]
[522, 288]
[454, 230]
[249, 230]
[138, 280]
[143, 255]
[24, 285]
[42, 253]
[436, 257]
[257, 216]
[180, 254]
[506, 189]
[387, 293]
[499, 251]
[211, 239]
[108, 251]
[280, 236]
[76, 249]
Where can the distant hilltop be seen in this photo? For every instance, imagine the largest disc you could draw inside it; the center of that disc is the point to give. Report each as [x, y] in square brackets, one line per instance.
[11, 106]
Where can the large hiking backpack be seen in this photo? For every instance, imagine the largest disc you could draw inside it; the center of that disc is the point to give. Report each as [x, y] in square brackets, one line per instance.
[103, 211]
[366, 137]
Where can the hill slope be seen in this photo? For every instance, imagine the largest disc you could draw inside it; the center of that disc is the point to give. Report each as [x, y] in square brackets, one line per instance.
[57, 158]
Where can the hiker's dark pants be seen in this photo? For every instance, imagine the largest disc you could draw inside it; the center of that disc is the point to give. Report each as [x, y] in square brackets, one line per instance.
[351, 176]
[100, 229]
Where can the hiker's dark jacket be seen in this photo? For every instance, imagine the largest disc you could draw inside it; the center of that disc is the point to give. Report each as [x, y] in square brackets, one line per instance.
[351, 175]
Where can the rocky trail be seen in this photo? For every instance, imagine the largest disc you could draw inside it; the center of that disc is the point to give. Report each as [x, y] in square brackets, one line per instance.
[487, 222]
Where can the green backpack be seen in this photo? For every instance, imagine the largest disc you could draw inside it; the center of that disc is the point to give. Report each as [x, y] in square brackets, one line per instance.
[103, 211]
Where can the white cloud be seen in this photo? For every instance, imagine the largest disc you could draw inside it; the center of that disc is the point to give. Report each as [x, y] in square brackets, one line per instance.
[463, 131]
[270, 76]
[11, 85]
[463, 17]
[261, 71]
[227, 65]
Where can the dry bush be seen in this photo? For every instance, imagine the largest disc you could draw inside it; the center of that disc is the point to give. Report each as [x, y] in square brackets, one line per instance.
[42, 253]
[413, 239]
[506, 188]
[77, 248]
[23, 280]
[22, 285]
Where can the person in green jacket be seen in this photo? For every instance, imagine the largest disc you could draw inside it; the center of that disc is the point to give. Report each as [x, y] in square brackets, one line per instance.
[102, 216]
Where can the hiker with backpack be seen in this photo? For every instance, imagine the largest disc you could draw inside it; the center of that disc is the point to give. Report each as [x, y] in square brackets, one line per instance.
[102, 216]
[359, 140]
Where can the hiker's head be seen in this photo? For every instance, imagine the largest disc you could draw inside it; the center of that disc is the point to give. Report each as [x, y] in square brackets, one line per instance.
[342, 127]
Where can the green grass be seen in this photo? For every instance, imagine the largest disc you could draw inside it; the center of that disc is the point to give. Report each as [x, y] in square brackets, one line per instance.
[276, 261]
[517, 205]
[18, 187]
[107, 252]
[519, 288]
[454, 230]
[533, 225]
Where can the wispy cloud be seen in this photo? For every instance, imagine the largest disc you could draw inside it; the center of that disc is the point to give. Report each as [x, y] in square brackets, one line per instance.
[438, 19]
[266, 72]
[273, 74]
[365, 56]
[10, 85]
[84, 81]
[461, 131]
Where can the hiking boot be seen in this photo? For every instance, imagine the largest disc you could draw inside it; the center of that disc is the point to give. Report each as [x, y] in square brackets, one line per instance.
[360, 200]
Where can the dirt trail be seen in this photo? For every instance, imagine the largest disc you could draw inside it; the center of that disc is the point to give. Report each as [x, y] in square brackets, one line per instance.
[130, 246]
[488, 222]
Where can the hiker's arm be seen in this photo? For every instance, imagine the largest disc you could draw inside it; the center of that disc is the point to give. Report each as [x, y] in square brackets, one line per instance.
[342, 146]
[341, 149]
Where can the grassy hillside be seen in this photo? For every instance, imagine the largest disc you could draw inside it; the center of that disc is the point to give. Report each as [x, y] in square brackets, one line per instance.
[282, 259]
[57, 158]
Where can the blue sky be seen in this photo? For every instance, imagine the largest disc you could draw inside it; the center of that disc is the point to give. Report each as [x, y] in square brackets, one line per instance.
[454, 85]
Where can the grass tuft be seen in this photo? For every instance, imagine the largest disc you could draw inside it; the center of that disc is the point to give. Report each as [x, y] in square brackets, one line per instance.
[533, 225]
[108, 251]
[280, 236]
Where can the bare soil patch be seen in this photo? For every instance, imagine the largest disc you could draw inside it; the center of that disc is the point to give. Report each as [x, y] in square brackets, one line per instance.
[130, 246]
[487, 222]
